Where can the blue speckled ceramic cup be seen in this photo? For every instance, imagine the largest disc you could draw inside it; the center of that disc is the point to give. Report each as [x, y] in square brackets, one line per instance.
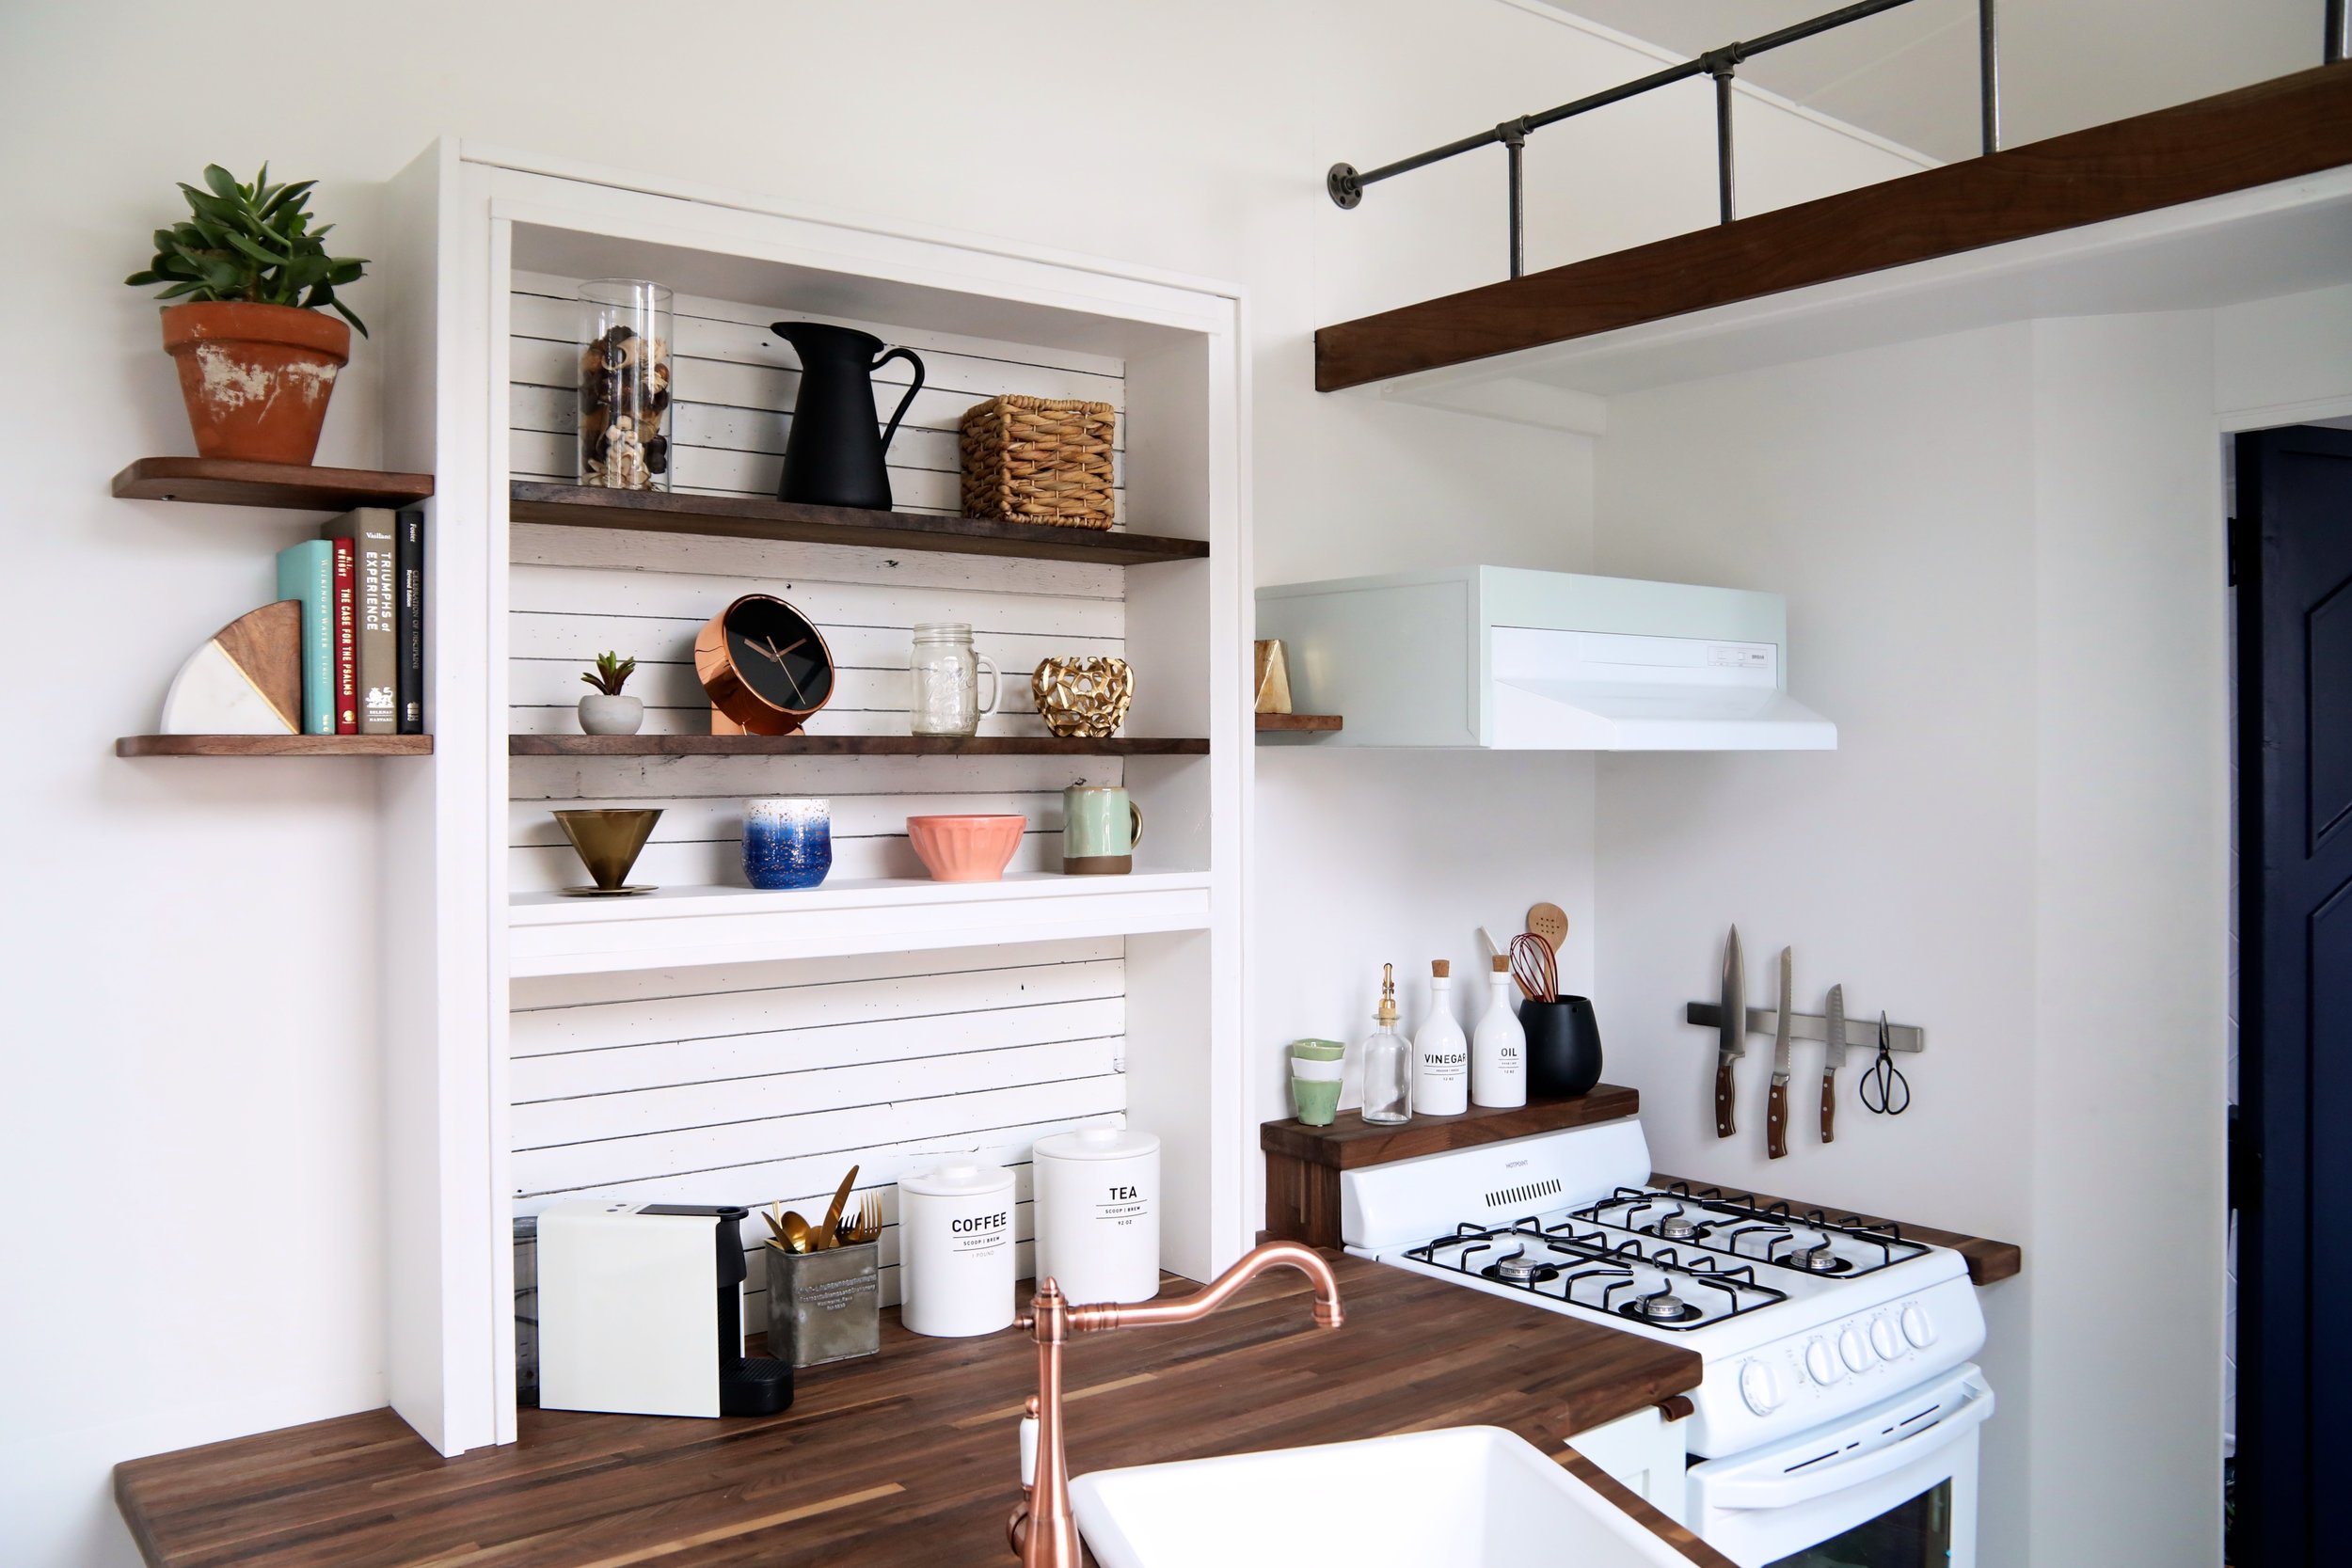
[787, 842]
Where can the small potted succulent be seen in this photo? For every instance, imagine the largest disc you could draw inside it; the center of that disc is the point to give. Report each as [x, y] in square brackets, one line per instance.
[608, 712]
[257, 352]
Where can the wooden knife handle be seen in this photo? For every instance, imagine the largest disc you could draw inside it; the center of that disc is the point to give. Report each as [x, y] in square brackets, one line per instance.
[1723, 1091]
[1829, 1105]
[1776, 1121]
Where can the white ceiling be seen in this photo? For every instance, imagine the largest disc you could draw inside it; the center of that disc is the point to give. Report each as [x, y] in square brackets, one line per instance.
[1910, 74]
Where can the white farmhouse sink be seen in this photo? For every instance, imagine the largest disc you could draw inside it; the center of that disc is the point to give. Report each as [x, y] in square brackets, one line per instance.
[1458, 1497]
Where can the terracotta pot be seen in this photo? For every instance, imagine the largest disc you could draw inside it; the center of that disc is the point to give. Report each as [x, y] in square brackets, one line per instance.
[256, 378]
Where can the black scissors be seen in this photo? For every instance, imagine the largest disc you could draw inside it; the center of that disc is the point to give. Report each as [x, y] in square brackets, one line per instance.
[1894, 1089]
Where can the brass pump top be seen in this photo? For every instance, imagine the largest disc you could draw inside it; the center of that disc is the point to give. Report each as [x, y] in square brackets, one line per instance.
[1388, 996]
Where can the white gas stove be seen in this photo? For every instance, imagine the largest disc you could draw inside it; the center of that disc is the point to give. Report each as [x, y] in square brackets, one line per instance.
[1819, 1331]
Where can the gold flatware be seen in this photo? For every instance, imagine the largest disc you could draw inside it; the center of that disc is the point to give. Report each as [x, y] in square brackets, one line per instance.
[796, 1233]
[831, 1232]
[867, 1225]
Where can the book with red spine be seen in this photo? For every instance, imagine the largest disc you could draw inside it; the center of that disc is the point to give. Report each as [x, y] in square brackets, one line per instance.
[346, 642]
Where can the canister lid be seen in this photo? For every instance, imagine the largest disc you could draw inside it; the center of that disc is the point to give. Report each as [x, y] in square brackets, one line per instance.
[957, 1179]
[1097, 1143]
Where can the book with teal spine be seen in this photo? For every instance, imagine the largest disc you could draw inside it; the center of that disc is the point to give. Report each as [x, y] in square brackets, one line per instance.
[307, 572]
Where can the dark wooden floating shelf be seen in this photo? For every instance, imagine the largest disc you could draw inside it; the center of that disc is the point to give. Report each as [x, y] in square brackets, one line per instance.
[283, 486]
[845, 746]
[747, 517]
[274, 746]
[1351, 1142]
[2258, 136]
[1299, 723]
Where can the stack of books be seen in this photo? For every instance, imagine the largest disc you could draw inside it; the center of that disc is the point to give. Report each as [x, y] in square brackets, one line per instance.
[361, 587]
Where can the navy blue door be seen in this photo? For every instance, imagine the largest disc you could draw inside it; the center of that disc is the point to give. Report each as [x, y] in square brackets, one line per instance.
[2295, 1062]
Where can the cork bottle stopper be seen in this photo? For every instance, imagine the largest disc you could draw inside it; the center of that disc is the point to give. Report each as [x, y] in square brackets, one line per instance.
[1503, 963]
[1441, 969]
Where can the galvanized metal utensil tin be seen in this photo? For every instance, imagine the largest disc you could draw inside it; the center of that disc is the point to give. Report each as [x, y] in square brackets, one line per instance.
[824, 1306]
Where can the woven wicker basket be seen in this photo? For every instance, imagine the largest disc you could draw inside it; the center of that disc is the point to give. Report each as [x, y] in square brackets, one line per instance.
[1037, 460]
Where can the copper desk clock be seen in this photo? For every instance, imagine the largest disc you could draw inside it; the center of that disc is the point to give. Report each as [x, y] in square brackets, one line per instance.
[765, 665]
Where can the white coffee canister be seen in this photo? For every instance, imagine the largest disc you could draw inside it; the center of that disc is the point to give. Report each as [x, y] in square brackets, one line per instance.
[1098, 1213]
[955, 1245]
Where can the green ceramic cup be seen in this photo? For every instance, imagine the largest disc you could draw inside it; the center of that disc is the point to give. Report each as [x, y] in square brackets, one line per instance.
[1315, 1069]
[1100, 829]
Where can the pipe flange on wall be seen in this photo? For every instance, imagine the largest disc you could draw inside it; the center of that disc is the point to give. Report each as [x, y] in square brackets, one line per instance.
[1341, 184]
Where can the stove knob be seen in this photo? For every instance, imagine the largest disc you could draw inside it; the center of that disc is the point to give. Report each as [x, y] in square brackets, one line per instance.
[1821, 1364]
[1760, 1387]
[1884, 1339]
[1916, 1328]
[1855, 1353]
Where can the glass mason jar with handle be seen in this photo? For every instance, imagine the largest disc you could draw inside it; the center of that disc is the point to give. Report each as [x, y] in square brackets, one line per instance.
[943, 681]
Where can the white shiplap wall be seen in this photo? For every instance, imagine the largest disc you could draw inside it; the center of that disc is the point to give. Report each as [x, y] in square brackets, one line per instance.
[766, 1083]
[763, 1084]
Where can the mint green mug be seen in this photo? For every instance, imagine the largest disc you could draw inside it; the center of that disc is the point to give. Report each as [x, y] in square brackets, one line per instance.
[1100, 830]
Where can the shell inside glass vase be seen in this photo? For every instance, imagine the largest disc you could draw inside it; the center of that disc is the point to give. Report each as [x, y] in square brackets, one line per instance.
[609, 842]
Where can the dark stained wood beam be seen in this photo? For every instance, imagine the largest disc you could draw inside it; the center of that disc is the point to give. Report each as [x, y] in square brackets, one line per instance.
[2258, 136]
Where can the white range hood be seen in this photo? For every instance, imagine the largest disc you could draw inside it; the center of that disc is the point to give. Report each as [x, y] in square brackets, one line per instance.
[1508, 660]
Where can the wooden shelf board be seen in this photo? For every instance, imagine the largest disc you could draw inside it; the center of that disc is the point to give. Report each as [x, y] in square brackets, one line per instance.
[274, 746]
[747, 517]
[1351, 1142]
[678, 927]
[1299, 723]
[846, 746]
[2277, 131]
[221, 483]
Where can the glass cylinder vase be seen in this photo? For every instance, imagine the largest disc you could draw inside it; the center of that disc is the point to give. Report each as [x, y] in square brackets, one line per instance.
[625, 338]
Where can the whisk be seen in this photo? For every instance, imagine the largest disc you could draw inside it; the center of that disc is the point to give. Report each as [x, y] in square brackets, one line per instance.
[1534, 967]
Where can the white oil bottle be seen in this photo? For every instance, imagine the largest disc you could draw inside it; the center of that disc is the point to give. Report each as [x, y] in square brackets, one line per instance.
[1499, 1048]
[1388, 1062]
[1441, 1054]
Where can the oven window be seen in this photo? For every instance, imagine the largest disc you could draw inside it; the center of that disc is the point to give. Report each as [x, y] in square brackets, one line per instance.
[1916, 1534]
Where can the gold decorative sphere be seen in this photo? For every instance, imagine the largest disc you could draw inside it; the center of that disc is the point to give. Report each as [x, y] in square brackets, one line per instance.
[1083, 698]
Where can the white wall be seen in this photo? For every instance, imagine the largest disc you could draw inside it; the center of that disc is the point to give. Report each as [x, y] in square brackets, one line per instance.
[2003, 556]
[190, 1130]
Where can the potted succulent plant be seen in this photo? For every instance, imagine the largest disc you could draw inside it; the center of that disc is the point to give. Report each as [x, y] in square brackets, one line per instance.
[256, 350]
[607, 711]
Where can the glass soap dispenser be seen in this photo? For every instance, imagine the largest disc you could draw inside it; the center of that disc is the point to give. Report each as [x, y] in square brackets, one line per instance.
[1388, 1062]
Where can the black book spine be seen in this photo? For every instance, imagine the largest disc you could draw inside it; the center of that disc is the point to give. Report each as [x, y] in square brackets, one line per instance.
[408, 624]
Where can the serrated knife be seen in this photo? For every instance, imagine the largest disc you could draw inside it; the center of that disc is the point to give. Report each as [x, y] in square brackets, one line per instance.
[1833, 1058]
[1776, 1108]
[1731, 1034]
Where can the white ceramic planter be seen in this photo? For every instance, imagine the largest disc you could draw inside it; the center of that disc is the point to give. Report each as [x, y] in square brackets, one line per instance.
[603, 715]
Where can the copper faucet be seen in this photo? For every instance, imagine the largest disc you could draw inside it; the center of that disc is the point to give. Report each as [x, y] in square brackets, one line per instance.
[1043, 1531]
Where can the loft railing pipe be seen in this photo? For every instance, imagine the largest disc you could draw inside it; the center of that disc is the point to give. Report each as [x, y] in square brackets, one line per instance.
[2338, 45]
[1346, 182]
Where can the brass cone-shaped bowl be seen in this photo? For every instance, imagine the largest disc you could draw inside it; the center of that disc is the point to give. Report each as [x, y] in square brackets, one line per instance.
[609, 842]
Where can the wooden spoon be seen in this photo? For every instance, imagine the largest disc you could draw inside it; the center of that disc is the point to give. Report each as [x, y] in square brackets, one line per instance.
[1550, 922]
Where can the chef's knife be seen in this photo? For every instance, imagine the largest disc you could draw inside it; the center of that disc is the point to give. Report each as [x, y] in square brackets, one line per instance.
[1732, 1034]
[1833, 1058]
[1776, 1108]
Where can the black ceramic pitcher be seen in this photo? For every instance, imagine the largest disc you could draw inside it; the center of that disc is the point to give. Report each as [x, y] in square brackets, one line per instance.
[833, 456]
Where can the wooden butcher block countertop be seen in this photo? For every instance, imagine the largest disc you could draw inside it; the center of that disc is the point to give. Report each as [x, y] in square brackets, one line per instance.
[906, 1459]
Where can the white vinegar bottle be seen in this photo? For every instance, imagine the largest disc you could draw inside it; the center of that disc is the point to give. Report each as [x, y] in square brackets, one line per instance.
[1499, 1048]
[1441, 1052]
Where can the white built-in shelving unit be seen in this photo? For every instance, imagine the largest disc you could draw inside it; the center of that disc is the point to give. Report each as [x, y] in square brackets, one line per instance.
[708, 1042]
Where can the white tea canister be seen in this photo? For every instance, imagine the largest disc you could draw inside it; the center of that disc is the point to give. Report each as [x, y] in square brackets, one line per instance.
[955, 1243]
[1098, 1213]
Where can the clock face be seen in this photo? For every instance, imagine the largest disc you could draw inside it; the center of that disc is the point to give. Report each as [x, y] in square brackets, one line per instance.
[778, 655]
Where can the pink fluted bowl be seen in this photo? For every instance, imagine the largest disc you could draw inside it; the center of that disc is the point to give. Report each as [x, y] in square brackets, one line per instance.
[966, 849]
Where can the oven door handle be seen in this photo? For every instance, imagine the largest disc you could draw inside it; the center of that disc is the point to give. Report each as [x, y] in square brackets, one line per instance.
[1761, 1489]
